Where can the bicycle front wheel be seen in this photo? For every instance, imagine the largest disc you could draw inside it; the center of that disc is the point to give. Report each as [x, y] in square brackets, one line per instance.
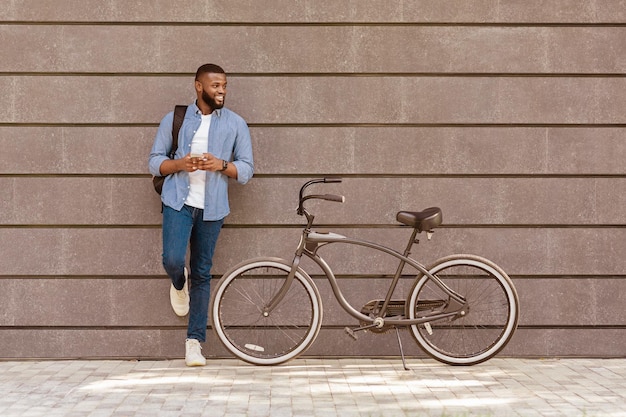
[489, 319]
[239, 318]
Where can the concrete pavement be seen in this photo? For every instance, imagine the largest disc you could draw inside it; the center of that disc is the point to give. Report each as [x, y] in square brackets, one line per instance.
[314, 387]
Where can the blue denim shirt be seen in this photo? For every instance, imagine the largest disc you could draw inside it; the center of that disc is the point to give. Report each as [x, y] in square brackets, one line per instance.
[229, 139]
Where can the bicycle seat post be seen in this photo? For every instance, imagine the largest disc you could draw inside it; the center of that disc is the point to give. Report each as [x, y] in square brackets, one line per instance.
[396, 277]
[412, 240]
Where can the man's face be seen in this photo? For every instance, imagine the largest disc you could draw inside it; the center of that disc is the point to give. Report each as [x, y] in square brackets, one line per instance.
[211, 88]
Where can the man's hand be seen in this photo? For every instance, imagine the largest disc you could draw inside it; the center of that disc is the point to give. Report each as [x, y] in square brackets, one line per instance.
[207, 162]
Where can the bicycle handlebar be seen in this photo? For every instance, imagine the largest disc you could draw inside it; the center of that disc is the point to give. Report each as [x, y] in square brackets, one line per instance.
[327, 197]
[333, 197]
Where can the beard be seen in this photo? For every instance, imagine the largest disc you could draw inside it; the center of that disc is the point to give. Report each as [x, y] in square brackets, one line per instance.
[211, 102]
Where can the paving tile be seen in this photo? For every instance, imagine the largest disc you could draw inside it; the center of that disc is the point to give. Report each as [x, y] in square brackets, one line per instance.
[317, 387]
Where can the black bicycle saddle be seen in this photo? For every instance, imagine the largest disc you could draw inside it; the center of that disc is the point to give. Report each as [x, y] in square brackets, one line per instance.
[421, 220]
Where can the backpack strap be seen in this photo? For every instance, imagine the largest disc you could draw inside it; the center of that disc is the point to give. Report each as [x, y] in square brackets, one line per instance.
[179, 116]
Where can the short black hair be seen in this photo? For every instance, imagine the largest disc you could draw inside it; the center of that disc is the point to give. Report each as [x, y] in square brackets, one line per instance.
[206, 68]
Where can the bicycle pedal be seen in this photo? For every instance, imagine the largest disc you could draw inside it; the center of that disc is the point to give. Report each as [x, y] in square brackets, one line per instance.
[351, 333]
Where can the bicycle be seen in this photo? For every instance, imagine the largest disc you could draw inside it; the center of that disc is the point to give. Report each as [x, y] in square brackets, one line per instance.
[462, 310]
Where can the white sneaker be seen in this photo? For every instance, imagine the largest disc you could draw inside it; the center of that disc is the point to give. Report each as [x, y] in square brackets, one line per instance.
[193, 354]
[180, 298]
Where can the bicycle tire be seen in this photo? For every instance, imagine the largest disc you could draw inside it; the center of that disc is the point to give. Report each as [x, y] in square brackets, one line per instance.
[237, 312]
[490, 320]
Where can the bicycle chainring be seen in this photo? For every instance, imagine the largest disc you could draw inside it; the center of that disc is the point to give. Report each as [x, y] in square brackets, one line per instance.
[372, 308]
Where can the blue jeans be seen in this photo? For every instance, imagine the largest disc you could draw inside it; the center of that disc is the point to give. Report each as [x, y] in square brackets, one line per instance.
[181, 228]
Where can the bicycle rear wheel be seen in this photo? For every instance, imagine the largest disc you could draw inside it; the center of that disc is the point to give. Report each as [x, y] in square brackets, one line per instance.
[490, 318]
[237, 312]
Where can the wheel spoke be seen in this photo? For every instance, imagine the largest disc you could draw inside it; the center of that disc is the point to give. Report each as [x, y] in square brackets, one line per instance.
[238, 313]
[490, 315]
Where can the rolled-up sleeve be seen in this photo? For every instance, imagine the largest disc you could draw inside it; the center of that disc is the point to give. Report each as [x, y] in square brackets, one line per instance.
[242, 153]
[162, 145]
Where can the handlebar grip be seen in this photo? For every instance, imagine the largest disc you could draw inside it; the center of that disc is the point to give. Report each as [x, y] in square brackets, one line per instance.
[328, 180]
[333, 197]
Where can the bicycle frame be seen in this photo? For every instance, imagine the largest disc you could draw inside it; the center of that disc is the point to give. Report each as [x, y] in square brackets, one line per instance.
[309, 244]
[267, 310]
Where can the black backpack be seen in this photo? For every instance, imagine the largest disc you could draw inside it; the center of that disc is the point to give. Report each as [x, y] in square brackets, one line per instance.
[179, 116]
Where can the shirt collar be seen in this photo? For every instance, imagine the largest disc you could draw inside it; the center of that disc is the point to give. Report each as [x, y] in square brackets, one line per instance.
[217, 112]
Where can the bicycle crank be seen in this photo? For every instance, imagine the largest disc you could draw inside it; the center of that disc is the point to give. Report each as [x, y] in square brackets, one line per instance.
[373, 308]
[378, 324]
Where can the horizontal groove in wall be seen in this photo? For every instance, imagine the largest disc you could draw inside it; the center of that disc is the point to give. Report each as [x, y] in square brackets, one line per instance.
[316, 277]
[93, 327]
[308, 24]
[572, 327]
[568, 277]
[516, 277]
[327, 327]
[526, 327]
[321, 226]
[441, 176]
[90, 277]
[81, 226]
[340, 175]
[8, 124]
[343, 125]
[324, 74]
[75, 176]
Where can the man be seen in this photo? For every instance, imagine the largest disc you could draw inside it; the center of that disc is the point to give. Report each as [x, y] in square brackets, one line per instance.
[213, 146]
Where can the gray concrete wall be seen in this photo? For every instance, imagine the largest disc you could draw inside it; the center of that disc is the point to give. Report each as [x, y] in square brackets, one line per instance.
[508, 115]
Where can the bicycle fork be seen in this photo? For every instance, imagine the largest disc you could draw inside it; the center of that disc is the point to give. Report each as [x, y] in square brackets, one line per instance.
[283, 290]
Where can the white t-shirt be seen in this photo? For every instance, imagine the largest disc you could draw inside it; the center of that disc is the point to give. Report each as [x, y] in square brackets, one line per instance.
[197, 179]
